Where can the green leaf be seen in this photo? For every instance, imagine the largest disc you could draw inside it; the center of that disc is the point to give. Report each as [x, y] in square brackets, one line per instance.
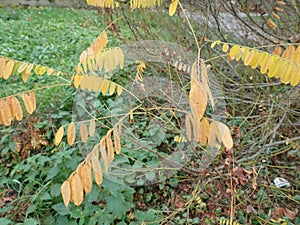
[117, 204]
[30, 209]
[55, 190]
[31, 221]
[61, 209]
[52, 173]
[4, 221]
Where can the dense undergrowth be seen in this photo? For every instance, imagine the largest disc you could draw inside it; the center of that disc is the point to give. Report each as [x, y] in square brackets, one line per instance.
[260, 113]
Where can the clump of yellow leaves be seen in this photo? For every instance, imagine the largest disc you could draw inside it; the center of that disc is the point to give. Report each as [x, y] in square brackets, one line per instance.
[11, 109]
[286, 67]
[199, 128]
[80, 181]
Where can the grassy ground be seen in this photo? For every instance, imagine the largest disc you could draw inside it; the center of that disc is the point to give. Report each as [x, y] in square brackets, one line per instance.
[31, 174]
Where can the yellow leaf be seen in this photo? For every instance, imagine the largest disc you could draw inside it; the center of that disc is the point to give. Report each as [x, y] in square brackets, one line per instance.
[2, 66]
[49, 71]
[203, 131]
[287, 73]
[29, 68]
[8, 69]
[5, 113]
[188, 127]
[92, 128]
[119, 90]
[225, 47]
[117, 141]
[225, 135]
[65, 190]
[71, 132]
[16, 108]
[110, 148]
[22, 67]
[255, 60]
[173, 7]
[97, 169]
[296, 57]
[103, 154]
[42, 70]
[289, 52]
[29, 102]
[198, 101]
[76, 190]
[212, 138]
[265, 63]
[84, 134]
[32, 100]
[105, 86]
[295, 78]
[59, 135]
[249, 57]
[196, 128]
[273, 65]
[112, 88]
[235, 53]
[77, 80]
[213, 44]
[120, 57]
[85, 173]
[25, 76]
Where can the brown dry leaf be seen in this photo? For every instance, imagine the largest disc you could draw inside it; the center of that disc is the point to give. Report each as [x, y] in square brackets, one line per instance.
[84, 134]
[278, 212]
[271, 24]
[250, 209]
[277, 51]
[97, 169]
[290, 214]
[71, 133]
[225, 135]
[58, 136]
[65, 190]
[76, 190]
[117, 141]
[92, 128]
[238, 172]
